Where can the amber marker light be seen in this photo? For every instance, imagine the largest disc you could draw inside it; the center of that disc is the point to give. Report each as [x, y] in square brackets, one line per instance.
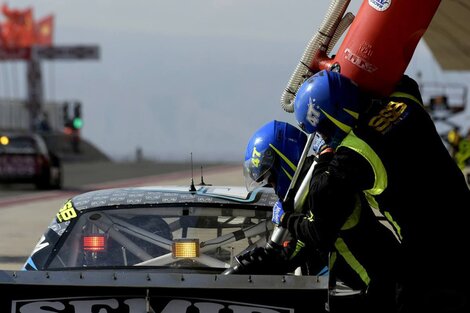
[4, 140]
[185, 248]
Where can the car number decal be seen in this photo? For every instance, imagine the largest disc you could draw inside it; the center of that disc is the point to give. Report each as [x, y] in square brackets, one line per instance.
[67, 212]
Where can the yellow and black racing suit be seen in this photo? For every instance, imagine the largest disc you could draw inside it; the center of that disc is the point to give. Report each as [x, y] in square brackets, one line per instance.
[397, 158]
[363, 247]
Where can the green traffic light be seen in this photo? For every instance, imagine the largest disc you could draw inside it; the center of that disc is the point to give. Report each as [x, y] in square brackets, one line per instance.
[77, 123]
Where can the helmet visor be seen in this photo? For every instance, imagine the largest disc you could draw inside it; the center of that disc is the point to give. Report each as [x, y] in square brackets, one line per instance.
[256, 169]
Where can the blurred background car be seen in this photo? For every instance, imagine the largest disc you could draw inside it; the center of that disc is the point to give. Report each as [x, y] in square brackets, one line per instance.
[25, 158]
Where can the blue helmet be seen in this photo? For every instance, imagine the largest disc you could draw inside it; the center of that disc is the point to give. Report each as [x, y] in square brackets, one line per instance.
[272, 155]
[328, 103]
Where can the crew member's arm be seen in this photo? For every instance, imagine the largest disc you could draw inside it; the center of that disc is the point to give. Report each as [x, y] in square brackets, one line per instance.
[336, 180]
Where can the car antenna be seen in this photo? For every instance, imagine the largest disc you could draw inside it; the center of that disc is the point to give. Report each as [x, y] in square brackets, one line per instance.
[192, 187]
[202, 180]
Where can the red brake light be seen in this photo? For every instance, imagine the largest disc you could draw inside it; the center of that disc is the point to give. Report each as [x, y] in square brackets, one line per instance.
[40, 160]
[94, 243]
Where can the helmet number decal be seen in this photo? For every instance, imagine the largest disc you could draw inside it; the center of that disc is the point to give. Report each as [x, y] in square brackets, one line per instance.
[67, 212]
[255, 157]
[313, 114]
[387, 116]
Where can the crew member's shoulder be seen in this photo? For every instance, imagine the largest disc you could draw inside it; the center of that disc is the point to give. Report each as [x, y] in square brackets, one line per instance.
[408, 86]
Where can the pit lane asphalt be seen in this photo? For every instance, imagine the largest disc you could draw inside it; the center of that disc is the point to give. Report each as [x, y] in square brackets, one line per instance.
[26, 212]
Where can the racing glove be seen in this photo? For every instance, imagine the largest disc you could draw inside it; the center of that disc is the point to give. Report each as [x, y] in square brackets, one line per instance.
[320, 146]
[278, 213]
[281, 212]
[267, 260]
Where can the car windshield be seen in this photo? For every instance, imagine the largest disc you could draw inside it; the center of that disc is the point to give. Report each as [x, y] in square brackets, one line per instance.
[164, 237]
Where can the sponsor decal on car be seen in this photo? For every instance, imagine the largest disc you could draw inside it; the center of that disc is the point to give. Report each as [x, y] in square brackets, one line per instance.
[137, 305]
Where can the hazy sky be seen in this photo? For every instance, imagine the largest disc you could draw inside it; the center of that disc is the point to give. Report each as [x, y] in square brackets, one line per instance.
[179, 76]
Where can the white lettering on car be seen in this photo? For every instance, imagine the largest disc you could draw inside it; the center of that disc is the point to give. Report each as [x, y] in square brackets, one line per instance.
[137, 305]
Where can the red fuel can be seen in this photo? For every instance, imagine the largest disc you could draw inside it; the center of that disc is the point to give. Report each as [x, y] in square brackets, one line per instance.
[381, 41]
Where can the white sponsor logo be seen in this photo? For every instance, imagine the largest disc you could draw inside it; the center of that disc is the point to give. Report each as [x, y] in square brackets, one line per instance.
[358, 61]
[380, 5]
[138, 305]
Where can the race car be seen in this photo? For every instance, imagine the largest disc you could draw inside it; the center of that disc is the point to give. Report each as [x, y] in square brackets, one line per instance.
[25, 158]
[159, 249]
[170, 228]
